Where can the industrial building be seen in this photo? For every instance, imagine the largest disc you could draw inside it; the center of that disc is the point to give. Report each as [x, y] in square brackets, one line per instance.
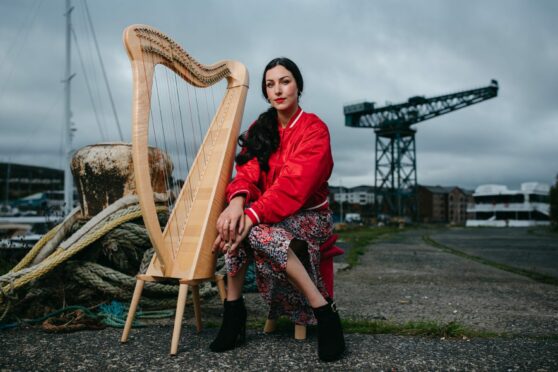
[438, 204]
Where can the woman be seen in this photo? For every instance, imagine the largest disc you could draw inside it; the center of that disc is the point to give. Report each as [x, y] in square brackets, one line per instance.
[278, 203]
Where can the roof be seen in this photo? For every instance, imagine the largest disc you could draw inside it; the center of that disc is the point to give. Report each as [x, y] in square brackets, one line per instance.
[526, 188]
[440, 189]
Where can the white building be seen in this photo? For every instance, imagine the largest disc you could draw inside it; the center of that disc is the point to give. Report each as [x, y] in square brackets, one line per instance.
[496, 205]
[353, 195]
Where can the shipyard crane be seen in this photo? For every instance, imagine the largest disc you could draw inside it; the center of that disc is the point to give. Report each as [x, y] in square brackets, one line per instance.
[396, 169]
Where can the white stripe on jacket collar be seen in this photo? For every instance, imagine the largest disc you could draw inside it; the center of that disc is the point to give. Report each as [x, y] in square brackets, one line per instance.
[318, 206]
[298, 117]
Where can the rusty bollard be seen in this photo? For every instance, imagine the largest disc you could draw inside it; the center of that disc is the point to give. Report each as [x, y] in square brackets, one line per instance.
[103, 173]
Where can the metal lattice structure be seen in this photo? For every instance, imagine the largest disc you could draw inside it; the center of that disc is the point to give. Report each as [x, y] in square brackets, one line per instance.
[395, 161]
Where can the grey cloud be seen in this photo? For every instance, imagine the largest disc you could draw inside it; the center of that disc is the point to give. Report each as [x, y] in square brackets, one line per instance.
[372, 50]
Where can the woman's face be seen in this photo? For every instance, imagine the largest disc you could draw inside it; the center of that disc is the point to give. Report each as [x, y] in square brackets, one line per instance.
[281, 89]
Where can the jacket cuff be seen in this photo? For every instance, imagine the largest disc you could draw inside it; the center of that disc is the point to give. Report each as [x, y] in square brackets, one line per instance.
[252, 215]
[240, 192]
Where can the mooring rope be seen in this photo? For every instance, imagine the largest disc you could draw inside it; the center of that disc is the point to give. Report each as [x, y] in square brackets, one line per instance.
[61, 254]
[96, 228]
[111, 314]
[123, 242]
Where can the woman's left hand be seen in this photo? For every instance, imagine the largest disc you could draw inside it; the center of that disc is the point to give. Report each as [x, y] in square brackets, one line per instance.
[231, 221]
[247, 226]
[223, 246]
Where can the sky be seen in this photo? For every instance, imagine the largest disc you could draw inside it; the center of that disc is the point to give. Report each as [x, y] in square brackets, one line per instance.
[348, 51]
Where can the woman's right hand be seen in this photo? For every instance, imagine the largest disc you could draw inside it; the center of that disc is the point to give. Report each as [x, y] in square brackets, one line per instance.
[231, 221]
[221, 246]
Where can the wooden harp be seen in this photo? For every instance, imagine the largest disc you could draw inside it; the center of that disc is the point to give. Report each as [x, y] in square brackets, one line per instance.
[183, 248]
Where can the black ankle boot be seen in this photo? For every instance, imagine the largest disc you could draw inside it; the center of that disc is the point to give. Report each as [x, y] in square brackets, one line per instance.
[331, 342]
[233, 328]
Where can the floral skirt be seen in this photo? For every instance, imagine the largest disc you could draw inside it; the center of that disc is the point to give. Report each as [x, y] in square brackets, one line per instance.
[268, 245]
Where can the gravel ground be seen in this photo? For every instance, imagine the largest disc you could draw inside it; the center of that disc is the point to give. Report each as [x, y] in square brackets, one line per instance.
[404, 279]
[148, 350]
[399, 279]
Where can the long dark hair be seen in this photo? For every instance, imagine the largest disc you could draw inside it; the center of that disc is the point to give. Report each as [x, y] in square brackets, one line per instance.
[262, 139]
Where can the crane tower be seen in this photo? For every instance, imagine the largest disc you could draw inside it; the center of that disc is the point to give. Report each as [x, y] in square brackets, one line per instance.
[396, 168]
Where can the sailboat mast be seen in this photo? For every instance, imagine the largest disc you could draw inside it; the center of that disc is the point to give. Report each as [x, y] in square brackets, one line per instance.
[68, 134]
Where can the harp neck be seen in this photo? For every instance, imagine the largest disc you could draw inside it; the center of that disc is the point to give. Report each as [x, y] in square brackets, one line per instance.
[142, 40]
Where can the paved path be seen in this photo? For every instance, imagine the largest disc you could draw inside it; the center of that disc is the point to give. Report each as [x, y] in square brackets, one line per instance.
[404, 278]
[399, 279]
[529, 249]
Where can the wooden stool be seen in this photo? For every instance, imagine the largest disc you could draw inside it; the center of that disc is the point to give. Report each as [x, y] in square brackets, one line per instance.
[299, 329]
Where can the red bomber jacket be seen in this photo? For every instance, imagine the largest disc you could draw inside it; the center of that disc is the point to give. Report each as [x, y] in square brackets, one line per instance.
[297, 176]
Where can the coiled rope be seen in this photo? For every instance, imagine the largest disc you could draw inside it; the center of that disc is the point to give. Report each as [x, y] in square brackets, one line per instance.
[123, 244]
[112, 314]
[16, 279]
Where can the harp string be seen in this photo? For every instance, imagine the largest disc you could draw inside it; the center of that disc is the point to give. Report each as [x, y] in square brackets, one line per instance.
[165, 144]
[199, 120]
[188, 146]
[160, 143]
[203, 126]
[159, 139]
[169, 125]
[152, 127]
[185, 148]
[181, 154]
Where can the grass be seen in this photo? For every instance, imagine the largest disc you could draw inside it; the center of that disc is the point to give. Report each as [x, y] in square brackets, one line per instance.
[418, 328]
[539, 277]
[360, 237]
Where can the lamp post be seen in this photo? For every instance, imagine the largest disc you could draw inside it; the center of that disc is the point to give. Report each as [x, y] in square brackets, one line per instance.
[342, 196]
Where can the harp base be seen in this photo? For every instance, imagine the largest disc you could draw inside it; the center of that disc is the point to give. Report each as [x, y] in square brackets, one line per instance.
[180, 305]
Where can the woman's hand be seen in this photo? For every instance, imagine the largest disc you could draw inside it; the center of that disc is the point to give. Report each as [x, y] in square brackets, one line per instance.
[231, 221]
[218, 245]
[243, 234]
[230, 246]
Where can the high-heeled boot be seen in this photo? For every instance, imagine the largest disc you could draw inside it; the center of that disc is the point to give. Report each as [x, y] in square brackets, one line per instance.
[331, 342]
[233, 328]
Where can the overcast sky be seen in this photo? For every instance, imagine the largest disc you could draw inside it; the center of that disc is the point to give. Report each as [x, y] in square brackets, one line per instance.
[347, 50]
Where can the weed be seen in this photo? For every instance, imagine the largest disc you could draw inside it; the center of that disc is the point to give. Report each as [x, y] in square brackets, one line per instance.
[360, 237]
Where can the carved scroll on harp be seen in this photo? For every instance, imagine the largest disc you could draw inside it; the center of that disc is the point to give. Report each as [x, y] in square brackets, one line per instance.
[183, 249]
